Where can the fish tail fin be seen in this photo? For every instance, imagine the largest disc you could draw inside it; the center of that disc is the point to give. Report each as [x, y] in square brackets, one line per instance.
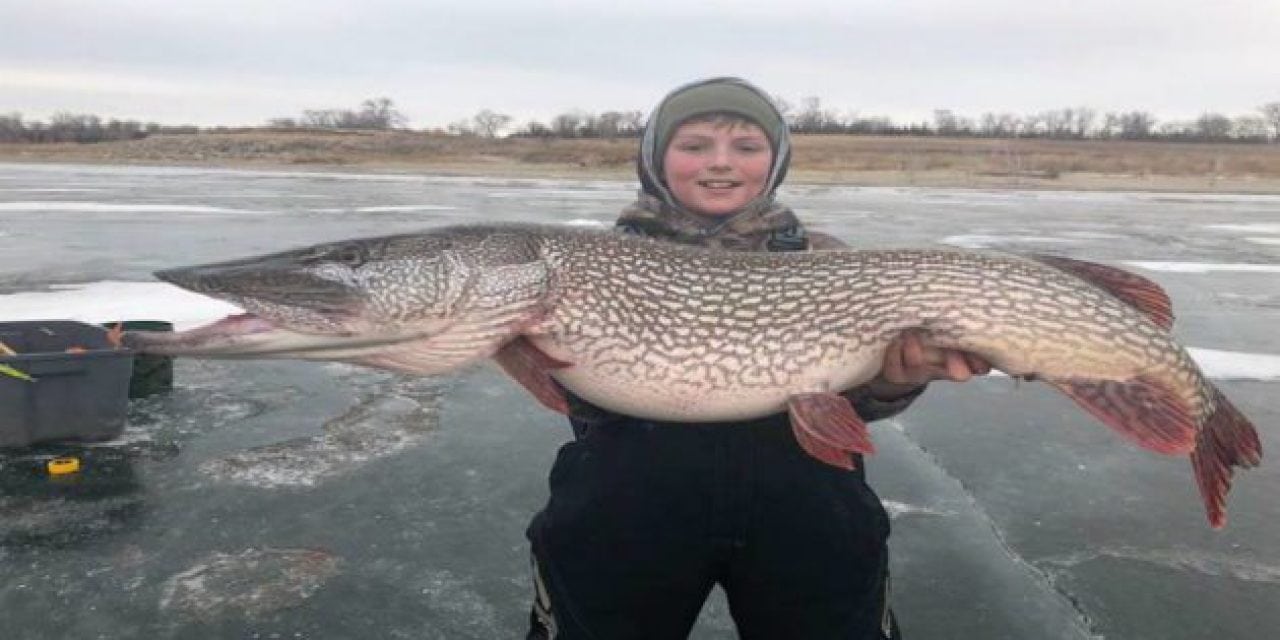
[1141, 409]
[1227, 440]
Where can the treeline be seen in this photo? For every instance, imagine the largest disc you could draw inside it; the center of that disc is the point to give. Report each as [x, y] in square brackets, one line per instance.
[572, 124]
[1072, 123]
[373, 114]
[74, 127]
[1068, 123]
[810, 117]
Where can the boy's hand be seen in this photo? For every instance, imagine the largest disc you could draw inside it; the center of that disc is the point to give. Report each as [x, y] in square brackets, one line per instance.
[908, 363]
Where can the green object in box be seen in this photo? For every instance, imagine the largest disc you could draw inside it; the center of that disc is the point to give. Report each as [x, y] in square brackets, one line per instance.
[151, 374]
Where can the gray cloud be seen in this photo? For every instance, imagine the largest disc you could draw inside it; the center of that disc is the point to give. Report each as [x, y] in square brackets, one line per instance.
[242, 62]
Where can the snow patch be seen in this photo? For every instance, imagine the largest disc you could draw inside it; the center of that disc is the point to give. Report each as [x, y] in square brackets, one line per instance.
[1204, 267]
[1256, 227]
[103, 207]
[109, 301]
[979, 241]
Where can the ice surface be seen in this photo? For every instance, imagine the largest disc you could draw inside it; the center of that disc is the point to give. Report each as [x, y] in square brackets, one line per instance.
[1014, 514]
[1203, 267]
[1260, 227]
[974, 241]
[105, 207]
[400, 208]
[251, 584]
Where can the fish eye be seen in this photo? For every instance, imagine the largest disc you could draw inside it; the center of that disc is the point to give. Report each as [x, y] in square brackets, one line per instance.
[350, 256]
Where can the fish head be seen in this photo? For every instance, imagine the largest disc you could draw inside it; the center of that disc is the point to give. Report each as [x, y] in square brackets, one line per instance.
[348, 299]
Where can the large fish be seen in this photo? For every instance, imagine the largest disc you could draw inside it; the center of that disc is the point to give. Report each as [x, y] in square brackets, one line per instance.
[668, 332]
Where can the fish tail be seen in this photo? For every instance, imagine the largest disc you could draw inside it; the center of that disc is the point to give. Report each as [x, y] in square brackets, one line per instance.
[1227, 440]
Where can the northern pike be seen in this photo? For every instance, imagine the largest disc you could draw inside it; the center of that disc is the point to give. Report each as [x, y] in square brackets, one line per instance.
[677, 333]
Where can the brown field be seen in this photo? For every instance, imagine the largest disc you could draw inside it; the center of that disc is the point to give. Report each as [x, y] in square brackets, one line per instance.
[866, 160]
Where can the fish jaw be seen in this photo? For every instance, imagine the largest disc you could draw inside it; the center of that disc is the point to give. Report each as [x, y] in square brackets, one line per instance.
[314, 303]
[251, 336]
[280, 292]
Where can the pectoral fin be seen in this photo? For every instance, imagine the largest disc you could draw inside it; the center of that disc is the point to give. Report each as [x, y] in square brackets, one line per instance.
[828, 429]
[1139, 409]
[528, 365]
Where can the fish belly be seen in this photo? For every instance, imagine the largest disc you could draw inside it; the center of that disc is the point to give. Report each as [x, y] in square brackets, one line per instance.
[699, 392]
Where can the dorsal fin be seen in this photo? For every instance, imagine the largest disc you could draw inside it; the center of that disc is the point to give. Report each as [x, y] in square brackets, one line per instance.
[1139, 292]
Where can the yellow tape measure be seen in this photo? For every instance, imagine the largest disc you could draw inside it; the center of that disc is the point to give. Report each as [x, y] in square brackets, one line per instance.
[63, 466]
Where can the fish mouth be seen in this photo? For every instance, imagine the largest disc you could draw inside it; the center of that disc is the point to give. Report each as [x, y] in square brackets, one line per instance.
[247, 335]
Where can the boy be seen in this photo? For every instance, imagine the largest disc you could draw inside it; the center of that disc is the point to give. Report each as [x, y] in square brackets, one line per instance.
[646, 517]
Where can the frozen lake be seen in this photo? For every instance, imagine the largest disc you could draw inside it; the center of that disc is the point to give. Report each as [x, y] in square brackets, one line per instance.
[300, 500]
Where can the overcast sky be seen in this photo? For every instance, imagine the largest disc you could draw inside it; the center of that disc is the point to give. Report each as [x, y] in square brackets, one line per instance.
[245, 61]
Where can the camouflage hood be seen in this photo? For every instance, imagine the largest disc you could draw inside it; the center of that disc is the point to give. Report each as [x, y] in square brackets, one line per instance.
[747, 230]
[657, 213]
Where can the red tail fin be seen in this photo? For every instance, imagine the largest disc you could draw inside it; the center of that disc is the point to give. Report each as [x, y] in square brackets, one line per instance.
[1226, 441]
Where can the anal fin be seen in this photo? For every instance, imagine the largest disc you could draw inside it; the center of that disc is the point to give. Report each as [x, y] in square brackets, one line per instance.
[528, 365]
[1140, 410]
[827, 428]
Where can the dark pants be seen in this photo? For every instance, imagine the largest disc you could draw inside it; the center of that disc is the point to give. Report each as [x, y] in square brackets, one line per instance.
[644, 519]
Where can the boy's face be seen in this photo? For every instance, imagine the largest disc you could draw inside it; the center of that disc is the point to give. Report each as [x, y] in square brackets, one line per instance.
[716, 168]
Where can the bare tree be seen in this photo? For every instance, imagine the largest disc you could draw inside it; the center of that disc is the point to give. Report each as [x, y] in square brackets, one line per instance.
[568, 125]
[784, 108]
[1271, 113]
[1055, 122]
[1110, 125]
[1249, 128]
[1036, 124]
[632, 122]
[1136, 125]
[1000, 125]
[813, 119]
[11, 128]
[461, 128]
[609, 124]
[536, 129]
[1082, 122]
[320, 118]
[1213, 126]
[380, 113]
[374, 113]
[1178, 129]
[489, 123]
[945, 122]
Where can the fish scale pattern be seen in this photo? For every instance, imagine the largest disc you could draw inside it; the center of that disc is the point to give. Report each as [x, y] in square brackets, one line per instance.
[713, 320]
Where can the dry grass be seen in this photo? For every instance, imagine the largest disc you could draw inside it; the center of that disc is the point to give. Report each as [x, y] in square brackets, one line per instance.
[854, 159]
[1043, 157]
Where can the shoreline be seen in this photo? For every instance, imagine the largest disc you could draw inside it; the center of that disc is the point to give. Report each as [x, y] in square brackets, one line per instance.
[1086, 182]
[1024, 165]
